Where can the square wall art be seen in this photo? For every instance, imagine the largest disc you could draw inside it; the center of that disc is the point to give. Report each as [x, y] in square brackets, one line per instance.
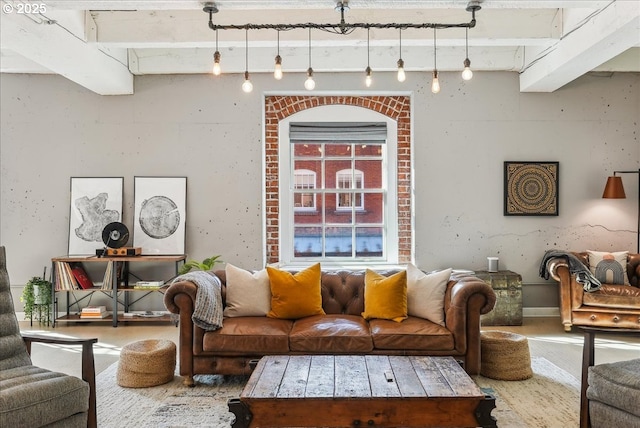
[530, 188]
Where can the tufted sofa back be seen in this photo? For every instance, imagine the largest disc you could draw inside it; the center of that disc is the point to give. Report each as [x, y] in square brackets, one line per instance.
[342, 290]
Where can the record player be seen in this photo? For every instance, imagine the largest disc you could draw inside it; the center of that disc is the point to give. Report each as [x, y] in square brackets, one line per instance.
[115, 236]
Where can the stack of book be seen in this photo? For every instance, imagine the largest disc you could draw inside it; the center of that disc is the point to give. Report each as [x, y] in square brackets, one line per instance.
[148, 285]
[94, 312]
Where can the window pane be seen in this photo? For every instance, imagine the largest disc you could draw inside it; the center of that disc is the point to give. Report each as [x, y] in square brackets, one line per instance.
[373, 209]
[372, 172]
[307, 150]
[362, 150]
[338, 242]
[338, 209]
[307, 241]
[334, 150]
[331, 170]
[309, 169]
[368, 242]
[305, 210]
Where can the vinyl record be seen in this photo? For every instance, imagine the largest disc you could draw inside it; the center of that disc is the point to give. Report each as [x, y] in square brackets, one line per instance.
[115, 235]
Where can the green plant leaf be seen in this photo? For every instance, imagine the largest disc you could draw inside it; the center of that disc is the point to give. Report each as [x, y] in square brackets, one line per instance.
[206, 264]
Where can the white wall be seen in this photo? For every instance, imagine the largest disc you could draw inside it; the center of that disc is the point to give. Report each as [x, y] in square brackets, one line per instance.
[210, 131]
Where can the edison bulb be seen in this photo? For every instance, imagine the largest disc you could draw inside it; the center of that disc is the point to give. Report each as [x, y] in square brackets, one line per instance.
[401, 75]
[435, 85]
[368, 80]
[247, 86]
[216, 64]
[467, 74]
[310, 84]
[277, 71]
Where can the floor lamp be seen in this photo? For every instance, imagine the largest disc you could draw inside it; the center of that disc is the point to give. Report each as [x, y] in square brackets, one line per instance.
[615, 190]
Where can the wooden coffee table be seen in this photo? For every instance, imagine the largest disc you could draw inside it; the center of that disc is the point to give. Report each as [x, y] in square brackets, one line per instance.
[351, 391]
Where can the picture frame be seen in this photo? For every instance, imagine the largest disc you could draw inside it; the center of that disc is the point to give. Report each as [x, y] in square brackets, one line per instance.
[94, 203]
[160, 213]
[531, 188]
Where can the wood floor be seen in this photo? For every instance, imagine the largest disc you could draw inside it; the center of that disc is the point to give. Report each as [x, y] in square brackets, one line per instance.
[546, 339]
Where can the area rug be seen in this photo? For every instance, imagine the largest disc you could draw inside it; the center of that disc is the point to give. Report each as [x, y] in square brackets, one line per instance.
[550, 399]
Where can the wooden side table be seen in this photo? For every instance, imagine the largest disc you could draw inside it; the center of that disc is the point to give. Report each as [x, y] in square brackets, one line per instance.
[588, 361]
[508, 288]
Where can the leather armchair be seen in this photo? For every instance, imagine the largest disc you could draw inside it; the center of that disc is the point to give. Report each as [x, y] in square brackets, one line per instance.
[610, 306]
[31, 396]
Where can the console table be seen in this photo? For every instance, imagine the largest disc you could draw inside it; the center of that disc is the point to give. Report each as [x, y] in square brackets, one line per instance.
[117, 283]
[508, 288]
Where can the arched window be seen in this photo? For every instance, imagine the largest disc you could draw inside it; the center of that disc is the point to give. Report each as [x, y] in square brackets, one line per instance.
[338, 187]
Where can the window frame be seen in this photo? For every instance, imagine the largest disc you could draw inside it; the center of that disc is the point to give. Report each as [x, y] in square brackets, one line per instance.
[337, 113]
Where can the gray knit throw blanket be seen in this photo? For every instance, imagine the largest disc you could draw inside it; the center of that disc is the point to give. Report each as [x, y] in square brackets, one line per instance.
[207, 313]
[584, 276]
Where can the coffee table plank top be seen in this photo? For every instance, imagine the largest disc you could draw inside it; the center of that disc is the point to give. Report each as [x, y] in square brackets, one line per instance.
[351, 379]
[321, 374]
[458, 380]
[269, 382]
[410, 386]
[359, 376]
[295, 378]
[381, 377]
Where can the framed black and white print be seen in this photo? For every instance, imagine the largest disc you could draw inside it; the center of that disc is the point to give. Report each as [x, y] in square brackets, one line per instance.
[531, 188]
[95, 202]
[160, 205]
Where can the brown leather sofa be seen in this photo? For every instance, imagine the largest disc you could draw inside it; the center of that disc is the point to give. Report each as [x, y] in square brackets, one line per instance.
[610, 306]
[342, 330]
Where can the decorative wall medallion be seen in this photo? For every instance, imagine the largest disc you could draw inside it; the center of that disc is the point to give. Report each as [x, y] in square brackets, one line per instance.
[531, 188]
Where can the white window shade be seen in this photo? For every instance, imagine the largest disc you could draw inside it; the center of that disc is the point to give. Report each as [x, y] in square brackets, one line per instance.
[300, 132]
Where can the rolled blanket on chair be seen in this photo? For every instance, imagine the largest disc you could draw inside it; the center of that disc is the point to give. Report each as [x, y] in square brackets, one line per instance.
[207, 313]
[583, 274]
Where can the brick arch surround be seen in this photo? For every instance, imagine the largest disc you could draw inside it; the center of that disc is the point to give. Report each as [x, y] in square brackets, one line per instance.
[398, 108]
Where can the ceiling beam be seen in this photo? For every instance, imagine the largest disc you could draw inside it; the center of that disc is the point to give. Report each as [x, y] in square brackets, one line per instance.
[599, 37]
[314, 4]
[58, 46]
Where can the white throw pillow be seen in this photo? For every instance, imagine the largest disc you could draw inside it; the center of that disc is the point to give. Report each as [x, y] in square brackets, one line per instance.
[425, 293]
[609, 268]
[248, 295]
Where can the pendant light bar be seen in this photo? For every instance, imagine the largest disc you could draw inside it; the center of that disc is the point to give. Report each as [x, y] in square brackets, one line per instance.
[344, 28]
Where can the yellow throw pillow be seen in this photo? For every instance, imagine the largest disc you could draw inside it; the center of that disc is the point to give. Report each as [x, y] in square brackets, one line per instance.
[385, 297]
[295, 296]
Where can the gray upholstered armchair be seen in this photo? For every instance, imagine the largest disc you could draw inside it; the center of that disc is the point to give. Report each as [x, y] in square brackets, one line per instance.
[31, 396]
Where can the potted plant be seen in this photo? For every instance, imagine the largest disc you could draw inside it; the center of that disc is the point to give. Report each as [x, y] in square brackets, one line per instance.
[36, 297]
[206, 264]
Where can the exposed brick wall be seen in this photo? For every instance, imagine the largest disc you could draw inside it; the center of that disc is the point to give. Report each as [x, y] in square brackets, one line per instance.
[278, 107]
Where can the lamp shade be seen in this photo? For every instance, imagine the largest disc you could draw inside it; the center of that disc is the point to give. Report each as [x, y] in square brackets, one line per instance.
[614, 188]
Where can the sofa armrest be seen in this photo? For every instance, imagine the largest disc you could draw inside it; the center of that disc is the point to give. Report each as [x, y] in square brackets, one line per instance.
[180, 298]
[88, 364]
[467, 298]
[570, 293]
[557, 268]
